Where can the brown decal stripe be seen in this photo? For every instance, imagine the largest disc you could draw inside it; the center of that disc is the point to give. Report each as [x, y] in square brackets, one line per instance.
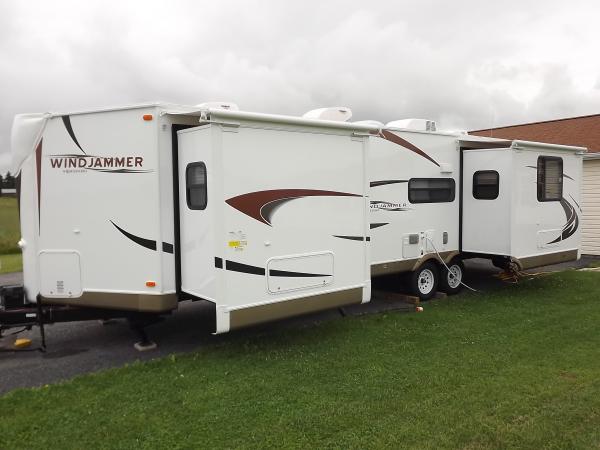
[385, 182]
[146, 243]
[67, 121]
[353, 238]
[572, 224]
[392, 137]
[564, 174]
[255, 270]
[261, 205]
[38, 164]
[575, 201]
[121, 170]
[377, 225]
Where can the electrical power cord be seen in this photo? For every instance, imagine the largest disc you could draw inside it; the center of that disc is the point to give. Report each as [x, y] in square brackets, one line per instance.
[446, 266]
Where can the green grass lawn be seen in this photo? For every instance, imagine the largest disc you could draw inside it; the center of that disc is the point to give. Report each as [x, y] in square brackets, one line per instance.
[10, 254]
[9, 225]
[11, 263]
[515, 368]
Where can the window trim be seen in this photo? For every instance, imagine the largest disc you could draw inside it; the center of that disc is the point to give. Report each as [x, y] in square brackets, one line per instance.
[453, 190]
[497, 185]
[189, 186]
[541, 187]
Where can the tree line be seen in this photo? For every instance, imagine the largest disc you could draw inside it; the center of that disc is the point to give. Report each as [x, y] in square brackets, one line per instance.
[8, 181]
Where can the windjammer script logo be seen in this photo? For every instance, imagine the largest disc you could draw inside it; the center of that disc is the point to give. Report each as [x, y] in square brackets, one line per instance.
[378, 205]
[113, 164]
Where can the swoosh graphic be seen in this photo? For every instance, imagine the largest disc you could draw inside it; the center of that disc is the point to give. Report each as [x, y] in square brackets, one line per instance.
[146, 243]
[38, 169]
[377, 225]
[572, 221]
[255, 270]
[353, 238]
[392, 137]
[564, 174]
[67, 121]
[384, 182]
[261, 205]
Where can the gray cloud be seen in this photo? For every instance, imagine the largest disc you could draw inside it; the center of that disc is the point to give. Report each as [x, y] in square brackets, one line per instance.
[466, 64]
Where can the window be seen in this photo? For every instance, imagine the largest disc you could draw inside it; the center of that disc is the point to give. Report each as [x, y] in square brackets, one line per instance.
[486, 184]
[431, 190]
[549, 178]
[195, 185]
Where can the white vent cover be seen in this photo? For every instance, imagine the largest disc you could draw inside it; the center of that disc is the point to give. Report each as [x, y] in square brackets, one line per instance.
[374, 123]
[337, 113]
[219, 105]
[413, 124]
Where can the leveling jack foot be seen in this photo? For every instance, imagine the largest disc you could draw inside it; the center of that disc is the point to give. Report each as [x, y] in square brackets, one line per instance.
[145, 346]
[138, 324]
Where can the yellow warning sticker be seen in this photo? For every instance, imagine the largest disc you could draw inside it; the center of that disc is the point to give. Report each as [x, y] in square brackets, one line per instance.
[238, 245]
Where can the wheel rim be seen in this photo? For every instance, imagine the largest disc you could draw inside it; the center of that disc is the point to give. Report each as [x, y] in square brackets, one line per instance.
[454, 276]
[426, 281]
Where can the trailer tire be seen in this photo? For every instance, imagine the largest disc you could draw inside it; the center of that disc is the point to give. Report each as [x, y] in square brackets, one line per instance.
[424, 280]
[451, 281]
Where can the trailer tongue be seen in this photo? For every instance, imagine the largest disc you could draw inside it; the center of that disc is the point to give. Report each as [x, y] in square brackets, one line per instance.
[16, 312]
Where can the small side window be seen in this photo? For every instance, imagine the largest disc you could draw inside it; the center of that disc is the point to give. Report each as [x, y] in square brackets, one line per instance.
[195, 185]
[486, 185]
[431, 190]
[549, 178]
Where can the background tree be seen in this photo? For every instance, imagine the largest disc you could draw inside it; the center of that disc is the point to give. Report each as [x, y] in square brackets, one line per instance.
[9, 181]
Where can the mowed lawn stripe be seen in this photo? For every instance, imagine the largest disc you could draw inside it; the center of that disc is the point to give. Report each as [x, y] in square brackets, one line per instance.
[519, 367]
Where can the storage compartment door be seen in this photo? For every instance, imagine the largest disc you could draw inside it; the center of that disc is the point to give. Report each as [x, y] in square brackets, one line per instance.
[60, 274]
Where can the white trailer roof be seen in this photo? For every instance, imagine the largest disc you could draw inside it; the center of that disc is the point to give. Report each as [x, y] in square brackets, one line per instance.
[479, 142]
[27, 129]
[272, 118]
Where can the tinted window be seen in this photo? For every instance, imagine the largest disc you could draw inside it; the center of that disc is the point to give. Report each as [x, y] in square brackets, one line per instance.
[195, 185]
[431, 190]
[549, 178]
[486, 184]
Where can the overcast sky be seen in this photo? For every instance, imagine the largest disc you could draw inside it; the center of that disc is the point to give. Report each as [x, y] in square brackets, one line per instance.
[465, 64]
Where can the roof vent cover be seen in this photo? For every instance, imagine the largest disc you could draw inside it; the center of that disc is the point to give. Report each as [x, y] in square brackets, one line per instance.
[230, 106]
[337, 113]
[413, 124]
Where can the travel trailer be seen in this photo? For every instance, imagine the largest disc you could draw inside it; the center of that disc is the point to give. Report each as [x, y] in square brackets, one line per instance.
[438, 198]
[126, 212]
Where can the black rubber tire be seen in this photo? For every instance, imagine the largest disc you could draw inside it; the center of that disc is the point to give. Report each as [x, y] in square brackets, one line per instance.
[422, 276]
[445, 283]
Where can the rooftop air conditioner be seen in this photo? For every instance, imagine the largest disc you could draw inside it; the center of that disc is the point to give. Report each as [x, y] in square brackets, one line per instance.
[337, 113]
[413, 124]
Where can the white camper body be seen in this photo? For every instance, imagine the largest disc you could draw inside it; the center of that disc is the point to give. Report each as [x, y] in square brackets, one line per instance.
[140, 207]
[268, 216]
[448, 196]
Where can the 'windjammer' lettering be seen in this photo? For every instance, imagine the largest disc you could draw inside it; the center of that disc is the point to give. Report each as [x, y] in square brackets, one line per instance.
[93, 162]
